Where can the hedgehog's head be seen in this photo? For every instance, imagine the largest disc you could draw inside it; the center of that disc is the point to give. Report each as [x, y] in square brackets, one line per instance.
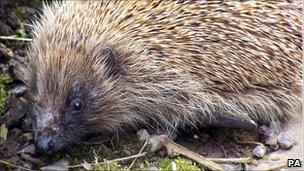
[72, 92]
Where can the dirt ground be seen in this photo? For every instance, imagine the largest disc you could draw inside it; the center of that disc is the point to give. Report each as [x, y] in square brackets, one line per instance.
[18, 149]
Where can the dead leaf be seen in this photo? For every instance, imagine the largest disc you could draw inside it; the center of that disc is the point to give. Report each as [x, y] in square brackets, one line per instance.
[3, 132]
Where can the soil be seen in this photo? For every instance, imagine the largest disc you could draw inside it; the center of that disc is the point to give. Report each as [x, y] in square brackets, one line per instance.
[18, 148]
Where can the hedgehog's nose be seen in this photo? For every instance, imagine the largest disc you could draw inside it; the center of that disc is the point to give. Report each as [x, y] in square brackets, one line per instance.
[45, 144]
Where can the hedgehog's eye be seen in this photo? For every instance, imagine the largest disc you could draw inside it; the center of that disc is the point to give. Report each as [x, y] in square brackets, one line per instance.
[76, 105]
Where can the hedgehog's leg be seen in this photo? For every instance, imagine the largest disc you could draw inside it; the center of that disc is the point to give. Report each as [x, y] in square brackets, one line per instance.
[260, 104]
[233, 121]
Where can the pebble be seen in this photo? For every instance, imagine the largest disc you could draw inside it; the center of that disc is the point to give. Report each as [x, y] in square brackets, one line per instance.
[259, 151]
[285, 140]
[143, 135]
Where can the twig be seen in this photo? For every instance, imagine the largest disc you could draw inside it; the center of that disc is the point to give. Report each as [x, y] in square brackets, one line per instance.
[231, 160]
[13, 165]
[224, 151]
[174, 148]
[125, 158]
[220, 160]
[194, 156]
[29, 25]
[15, 38]
[159, 141]
[114, 160]
[145, 144]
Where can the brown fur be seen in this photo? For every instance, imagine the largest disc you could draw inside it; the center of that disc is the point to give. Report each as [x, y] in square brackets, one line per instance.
[179, 63]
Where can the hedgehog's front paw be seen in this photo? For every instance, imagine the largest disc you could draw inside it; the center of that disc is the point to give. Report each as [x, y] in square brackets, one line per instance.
[273, 137]
[243, 121]
[268, 137]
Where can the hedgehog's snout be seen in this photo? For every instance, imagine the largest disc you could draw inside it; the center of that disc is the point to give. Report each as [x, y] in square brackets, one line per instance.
[45, 144]
[46, 141]
[46, 132]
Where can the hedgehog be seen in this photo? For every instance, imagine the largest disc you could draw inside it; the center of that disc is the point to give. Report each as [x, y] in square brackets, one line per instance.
[105, 66]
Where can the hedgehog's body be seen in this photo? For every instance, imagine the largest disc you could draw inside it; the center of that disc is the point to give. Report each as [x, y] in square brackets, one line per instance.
[165, 62]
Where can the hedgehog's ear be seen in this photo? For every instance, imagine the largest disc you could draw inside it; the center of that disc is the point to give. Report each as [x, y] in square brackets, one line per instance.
[111, 60]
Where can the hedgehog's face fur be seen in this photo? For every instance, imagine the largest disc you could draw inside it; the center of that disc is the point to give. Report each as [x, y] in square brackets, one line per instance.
[71, 94]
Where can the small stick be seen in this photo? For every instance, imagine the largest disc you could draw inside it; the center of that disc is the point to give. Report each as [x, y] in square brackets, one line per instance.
[145, 144]
[231, 160]
[224, 151]
[159, 141]
[125, 158]
[15, 38]
[29, 25]
[220, 160]
[13, 165]
[114, 160]
[174, 148]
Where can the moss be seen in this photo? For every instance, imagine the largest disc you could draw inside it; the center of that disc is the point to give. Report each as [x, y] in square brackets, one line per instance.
[39, 2]
[21, 33]
[99, 153]
[4, 95]
[110, 151]
[181, 164]
[20, 12]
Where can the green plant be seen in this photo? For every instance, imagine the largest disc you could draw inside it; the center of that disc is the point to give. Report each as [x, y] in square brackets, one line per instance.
[4, 95]
[20, 12]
